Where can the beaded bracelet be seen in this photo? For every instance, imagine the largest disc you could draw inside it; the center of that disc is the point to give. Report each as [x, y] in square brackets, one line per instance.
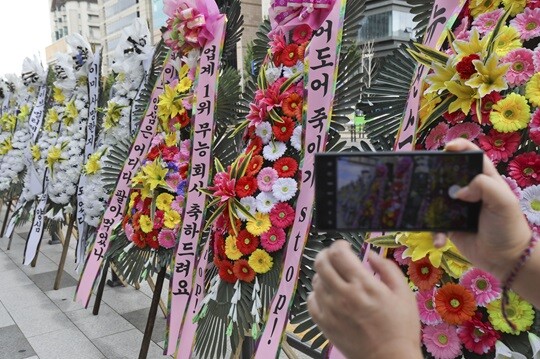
[512, 276]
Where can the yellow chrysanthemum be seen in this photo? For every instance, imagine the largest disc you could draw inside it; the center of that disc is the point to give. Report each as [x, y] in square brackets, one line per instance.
[170, 139]
[163, 201]
[146, 223]
[132, 197]
[93, 164]
[259, 224]
[515, 6]
[171, 219]
[51, 118]
[511, 113]
[184, 85]
[54, 155]
[6, 146]
[168, 105]
[520, 312]
[420, 245]
[112, 116]
[36, 153]
[507, 39]
[478, 7]
[474, 45]
[71, 113]
[24, 113]
[465, 96]
[489, 76]
[231, 250]
[154, 174]
[260, 261]
[532, 90]
[58, 95]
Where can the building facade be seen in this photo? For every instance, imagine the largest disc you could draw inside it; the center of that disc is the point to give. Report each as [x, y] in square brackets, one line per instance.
[73, 16]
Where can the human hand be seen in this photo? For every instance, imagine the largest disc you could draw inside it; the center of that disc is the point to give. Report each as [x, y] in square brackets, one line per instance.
[503, 232]
[364, 316]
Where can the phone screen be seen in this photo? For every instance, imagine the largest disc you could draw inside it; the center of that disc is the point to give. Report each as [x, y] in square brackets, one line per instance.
[393, 191]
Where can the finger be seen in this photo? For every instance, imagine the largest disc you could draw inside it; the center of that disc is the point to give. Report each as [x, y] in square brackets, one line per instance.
[327, 275]
[388, 271]
[439, 240]
[486, 189]
[345, 262]
[314, 309]
[461, 144]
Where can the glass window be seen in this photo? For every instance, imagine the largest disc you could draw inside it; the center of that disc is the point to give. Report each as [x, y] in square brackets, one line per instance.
[376, 26]
[119, 6]
[402, 24]
[120, 23]
[159, 16]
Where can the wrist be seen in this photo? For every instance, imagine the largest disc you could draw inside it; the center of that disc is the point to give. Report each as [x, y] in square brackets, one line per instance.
[402, 349]
[506, 262]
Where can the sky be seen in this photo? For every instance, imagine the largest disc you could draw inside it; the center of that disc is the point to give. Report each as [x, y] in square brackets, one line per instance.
[24, 32]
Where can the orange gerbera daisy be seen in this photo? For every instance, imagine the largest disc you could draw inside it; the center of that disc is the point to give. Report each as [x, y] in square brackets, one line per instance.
[455, 303]
[292, 106]
[255, 165]
[423, 274]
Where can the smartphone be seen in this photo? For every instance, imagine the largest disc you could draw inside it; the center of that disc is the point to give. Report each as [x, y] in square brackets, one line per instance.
[395, 191]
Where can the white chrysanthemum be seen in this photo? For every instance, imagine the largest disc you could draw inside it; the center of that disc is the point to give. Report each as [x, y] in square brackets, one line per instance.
[284, 189]
[296, 139]
[530, 203]
[274, 151]
[265, 202]
[290, 71]
[250, 204]
[264, 131]
[273, 73]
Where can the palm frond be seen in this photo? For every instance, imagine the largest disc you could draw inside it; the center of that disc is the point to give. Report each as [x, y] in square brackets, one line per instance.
[260, 46]
[234, 29]
[114, 162]
[354, 14]
[422, 10]
[385, 101]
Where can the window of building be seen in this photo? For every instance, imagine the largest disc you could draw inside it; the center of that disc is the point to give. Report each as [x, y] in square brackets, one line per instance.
[120, 23]
[65, 31]
[396, 24]
[158, 16]
[118, 7]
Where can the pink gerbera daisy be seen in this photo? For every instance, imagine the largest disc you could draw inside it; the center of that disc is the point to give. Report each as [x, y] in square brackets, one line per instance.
[521, 66]
[282, 215]
[435, 138]
[499, 146]
[477, 336]
[484, 286]
[128, 230]
[273, 240]
[525, 169]
[484, 23]
[534, 127]
[426, 307]
[441, 341]
[266, 179]
[536, 59]
[527, 23]
[167, 238]
[513, 186]
[173, 180]
[466, 130]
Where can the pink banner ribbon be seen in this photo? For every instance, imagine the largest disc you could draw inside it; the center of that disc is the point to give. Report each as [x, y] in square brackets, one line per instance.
[287, 14]
[181, 291]
[117, 204]
[322, 62]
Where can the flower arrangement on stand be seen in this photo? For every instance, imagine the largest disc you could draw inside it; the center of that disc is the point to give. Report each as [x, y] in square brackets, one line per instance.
[485, 86]
[17, 111]
[131, 54]
[12, 168]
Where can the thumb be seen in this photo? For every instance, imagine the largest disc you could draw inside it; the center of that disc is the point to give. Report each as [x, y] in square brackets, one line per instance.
[388, 271]
[488, 190]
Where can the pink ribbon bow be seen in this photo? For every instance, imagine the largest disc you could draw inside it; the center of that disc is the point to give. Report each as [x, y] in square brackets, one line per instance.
[287, 14]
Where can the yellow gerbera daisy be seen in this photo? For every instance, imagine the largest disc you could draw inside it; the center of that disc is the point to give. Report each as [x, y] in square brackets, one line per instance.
[231, 250]
[511, 113]
[260, 261]
[184, 85]
[489, 76]
[507, 39]
[515, 6]
[520, 312]
[259, 224]
[163, 201]
[146, 223]
[532, 90]
[171, 219]
[478, 7]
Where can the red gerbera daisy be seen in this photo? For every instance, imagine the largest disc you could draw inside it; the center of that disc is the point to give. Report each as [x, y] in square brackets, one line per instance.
[282, 215]
[254, 166]
[286, 167]
[487, 106]
[289, 56]
[246, 242]
[525, 169]
[226, 272]
[243, 271]
[219, 245]
[255, 145]
[152, 239]
[455, 303]
[138, 240]
[154, 152]
[454, 117]
[283, 130]
[135, 221]
[158, 219]
[292, 106]
[302, 33]
[170, 152]
[499, 146]
[477, 336]
[246, 186]
[423, 274]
